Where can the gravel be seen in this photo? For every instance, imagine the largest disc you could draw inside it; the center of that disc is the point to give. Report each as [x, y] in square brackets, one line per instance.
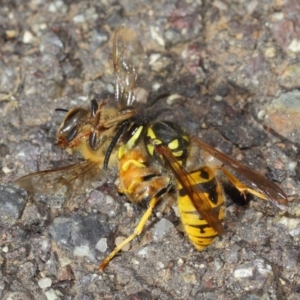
[233, 67]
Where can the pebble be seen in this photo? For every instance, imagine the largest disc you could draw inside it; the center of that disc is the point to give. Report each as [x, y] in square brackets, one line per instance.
[283, 115]
[45, 282]
[53, 294]
[253, 275]
[28, 37]
[12, 202]
[294, 46]
[161, 228]
[102, 245]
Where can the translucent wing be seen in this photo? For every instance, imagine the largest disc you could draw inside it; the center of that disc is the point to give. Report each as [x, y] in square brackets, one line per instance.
[63, 181]
[198, 197]
[127, 55]
[256, 180]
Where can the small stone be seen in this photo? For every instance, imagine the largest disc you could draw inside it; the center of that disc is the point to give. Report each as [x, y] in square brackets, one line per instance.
[11, 34]
[135, 262]
[16, 296]
[55, 6]
[155, 36]
[45, 283]
[5, 249]
[220, 5]
[79, 19]
[64, 261]
[218, 98]
[180, 262]
[261, 114]
[28, 37]
[290, 77]
[82, 251]
[292, 225]
[292, 166]
[144, 251]
[243, 273]
[12, 202]
[156, 86]
[6, 170]
[277, 16]
[294, 46]
[283, 114]
[102, 245]
[53, 294]
[270, 52]
[253, 275]
[161, 228]
[160, 265]
[218, 264]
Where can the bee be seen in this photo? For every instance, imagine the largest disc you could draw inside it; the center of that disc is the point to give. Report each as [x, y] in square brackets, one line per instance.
[94, 132]
[155, 158]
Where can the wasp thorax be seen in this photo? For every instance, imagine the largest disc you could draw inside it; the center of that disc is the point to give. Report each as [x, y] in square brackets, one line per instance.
[167, 134]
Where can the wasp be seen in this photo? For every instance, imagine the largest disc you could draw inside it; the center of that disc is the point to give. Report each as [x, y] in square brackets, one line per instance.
[155, 158]
[161, 158]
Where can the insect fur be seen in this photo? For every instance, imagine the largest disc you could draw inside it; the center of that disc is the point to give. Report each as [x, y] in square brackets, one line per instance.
[155, 158]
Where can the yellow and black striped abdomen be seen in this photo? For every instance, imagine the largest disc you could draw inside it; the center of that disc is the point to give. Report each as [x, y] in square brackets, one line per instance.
[197, 229]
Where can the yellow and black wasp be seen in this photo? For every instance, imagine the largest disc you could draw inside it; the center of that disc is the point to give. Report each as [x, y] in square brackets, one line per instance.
[154, 158]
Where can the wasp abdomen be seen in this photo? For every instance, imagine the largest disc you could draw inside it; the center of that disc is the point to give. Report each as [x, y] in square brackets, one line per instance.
[197, 229]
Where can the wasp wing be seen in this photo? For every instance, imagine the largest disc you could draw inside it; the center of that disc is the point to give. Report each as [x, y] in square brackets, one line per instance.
[257, 181]
[197, 196]
[127, 56]
[64, 181]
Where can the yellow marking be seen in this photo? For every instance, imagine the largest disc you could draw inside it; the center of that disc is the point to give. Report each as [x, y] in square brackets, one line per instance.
[157, 142]
[177, 153]
[200, 244]
[186, 137]
[122, 151]
[151, 133]
[137, 231]
[133, 184]
[131, 142]
[127, 164]
[174, 144]
[150, 149]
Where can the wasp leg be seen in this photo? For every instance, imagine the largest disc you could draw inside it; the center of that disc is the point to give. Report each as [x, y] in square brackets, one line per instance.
[242, 187]
[137, 231]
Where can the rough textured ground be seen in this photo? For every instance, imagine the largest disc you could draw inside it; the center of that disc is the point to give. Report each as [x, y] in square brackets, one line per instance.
[235, 67]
